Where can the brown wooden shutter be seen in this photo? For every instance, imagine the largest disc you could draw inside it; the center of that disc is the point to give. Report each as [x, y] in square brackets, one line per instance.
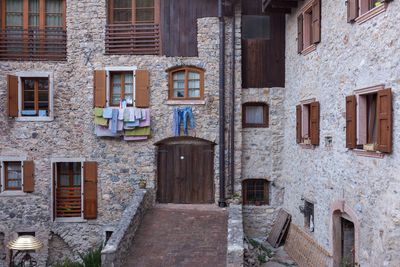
[316, 21]
[298, 124]
[100, 82]
[384, 120]
[142, 89]
[314, 119]
[351, 122]
[300, 33]
[29, 183]
[352, 10]
[54, 191]
[12, 84]
[90, 190]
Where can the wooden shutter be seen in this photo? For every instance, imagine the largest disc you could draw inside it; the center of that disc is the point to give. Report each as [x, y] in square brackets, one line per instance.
[351, 122]
[352, 10]
[298, 124]
[90, 190]
[100, 82]
[384, 120]
[300, 33]
[12, 84]
[54, 190]
[29, 183]
[316, 21]
[314, 119]
[142, 89]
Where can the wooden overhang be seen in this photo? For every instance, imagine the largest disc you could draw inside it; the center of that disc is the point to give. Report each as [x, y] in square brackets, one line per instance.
[279, 6]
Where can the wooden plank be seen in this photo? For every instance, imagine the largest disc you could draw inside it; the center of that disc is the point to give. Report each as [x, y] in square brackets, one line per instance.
[279, 228]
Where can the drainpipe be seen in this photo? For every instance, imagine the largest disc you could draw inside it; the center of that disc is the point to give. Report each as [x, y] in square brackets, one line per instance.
[221, 201]
[232, 122]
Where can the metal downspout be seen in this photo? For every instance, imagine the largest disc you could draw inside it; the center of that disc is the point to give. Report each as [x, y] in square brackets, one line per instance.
[221, 201]
[232, 122]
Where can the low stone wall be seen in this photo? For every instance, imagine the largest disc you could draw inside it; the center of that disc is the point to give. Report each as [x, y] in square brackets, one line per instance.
[117, 247]
[235, 246]
[258, 221]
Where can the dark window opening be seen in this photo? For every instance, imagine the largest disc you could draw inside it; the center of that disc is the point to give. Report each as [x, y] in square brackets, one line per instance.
[108, 235]
[348, 243]
[256, 192]
[256, 27]
[309, 216]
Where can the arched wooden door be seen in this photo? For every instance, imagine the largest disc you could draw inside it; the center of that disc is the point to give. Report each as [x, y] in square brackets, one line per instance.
[185, 171]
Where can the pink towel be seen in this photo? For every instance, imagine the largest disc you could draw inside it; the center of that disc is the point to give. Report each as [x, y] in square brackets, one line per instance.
[146, 121]
[135, 138]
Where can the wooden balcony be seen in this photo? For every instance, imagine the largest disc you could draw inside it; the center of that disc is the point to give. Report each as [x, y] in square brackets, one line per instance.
[47, 45]
[139, 39]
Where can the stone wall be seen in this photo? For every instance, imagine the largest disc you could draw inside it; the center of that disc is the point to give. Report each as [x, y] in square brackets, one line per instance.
[258, 221]
[235, 241]
[121, 165]
[349, 57]
[115, 252]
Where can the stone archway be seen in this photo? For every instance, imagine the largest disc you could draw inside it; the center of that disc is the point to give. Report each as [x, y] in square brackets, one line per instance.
[185, 170]
[345, 234]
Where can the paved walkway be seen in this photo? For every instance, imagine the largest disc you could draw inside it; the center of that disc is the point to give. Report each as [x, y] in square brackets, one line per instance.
[181, 235]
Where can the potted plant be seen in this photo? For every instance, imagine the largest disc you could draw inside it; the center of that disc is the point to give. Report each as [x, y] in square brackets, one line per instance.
[142, 184]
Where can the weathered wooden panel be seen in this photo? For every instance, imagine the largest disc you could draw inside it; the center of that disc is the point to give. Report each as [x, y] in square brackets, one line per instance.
[179, 25]
[279, 228]
[252, 7]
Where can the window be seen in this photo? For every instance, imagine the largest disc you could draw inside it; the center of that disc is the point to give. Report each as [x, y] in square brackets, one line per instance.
[369, 119]
[186, 83]
[74, 190]
[115, 84]
[30, 96]
[33, 30]
[309, 27]
[16, 175]
[309, 215]
[307, 122]
[255, 192]
[108, 236]
[255, 115]
[12, 175]
[133, 27]
[121, 88]
[362, 10]
[68, 189]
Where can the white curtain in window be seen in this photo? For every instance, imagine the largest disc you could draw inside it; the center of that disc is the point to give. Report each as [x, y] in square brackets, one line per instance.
[54, 13]
[255, 114]
[33, 13]
[14, 9]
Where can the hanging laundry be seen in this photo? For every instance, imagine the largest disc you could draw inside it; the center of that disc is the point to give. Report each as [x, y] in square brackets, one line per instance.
[101, 131]
[121, 114]
[107, 113]
[120, 126]
[135, 138]
[131, 125]
[114, 121]
[98, 112]
[145, 122]
[138, 131]
[185, 116]
[100, 121]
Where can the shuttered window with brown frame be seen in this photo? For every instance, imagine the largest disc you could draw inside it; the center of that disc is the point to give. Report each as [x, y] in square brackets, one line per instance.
[308, 123]
[100, 83]
[351, 122]
[12, 176]
[255, 115]
[309, 27]
[29, 182]
[314, 123]
[384, 121]
[186, 83]
[357, 8]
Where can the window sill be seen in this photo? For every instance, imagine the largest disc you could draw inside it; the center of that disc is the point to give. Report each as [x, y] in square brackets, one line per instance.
[371, 13]
[307, 146]
[309, 49]
[186, 102]
[369, 154]
[70, 220]
[37, 119]
[13, 194]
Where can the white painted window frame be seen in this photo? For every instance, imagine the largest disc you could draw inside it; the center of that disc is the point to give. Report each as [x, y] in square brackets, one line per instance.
[54, 180]
[36, 74]
[109, 70]
[4, 192]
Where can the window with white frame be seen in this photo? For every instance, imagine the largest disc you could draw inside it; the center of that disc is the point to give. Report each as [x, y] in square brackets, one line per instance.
[30, 96]
[120, 86]
[17, 175]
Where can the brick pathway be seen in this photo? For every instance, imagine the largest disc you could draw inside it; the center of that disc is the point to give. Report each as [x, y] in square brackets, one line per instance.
[181, 235]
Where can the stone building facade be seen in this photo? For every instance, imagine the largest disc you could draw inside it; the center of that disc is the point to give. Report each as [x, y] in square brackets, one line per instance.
[349, 56]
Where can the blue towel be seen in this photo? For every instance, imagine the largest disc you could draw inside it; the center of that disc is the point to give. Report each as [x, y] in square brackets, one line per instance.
[42, 113]
[114, 121]
[107, 113]
[28, 112]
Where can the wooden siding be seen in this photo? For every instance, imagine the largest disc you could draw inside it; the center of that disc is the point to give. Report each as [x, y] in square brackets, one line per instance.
[179, 25]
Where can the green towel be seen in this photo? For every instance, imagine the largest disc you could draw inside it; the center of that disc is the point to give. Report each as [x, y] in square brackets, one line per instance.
[138, 131]
[98, 112]
[100, 121]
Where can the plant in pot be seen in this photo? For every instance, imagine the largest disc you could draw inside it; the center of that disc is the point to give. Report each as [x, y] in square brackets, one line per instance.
[142, 184]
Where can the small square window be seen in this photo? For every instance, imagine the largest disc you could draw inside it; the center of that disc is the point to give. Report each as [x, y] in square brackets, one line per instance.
[255, 192]
[255, 115]
[12, 176]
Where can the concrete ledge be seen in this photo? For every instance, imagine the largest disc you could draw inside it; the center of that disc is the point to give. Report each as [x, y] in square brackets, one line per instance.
[235, 245]
[118, 246]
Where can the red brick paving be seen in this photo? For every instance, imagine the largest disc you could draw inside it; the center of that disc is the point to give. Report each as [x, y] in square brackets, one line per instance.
[180, 236]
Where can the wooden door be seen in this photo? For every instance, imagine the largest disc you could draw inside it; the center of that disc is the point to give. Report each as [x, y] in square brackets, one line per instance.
[185, 173]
